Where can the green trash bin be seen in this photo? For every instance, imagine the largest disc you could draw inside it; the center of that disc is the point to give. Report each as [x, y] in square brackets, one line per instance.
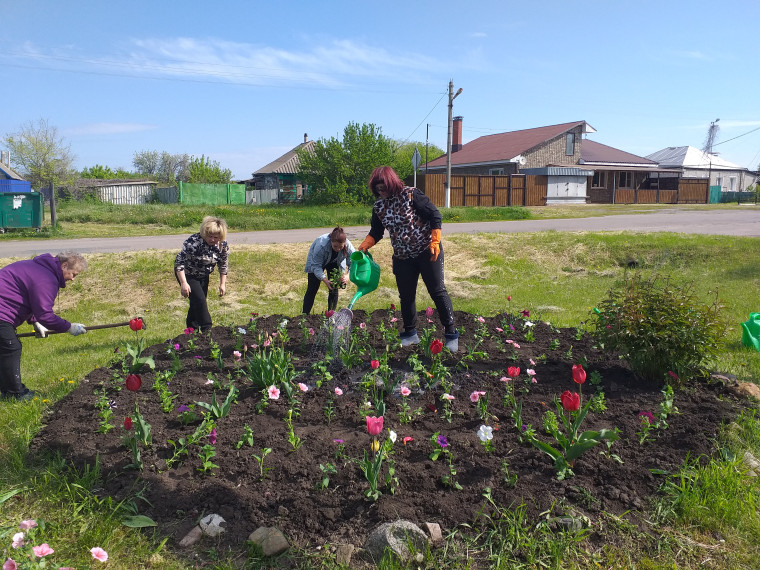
[21, 210]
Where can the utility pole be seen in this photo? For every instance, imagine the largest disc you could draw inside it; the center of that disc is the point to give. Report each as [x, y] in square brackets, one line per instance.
[452, 96]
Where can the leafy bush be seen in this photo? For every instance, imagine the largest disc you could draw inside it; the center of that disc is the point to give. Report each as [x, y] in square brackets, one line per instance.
[661, 329]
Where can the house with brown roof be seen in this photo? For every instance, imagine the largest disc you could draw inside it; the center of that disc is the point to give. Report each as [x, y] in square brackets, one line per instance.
[576, 169]
[510, 153]
[281, 175]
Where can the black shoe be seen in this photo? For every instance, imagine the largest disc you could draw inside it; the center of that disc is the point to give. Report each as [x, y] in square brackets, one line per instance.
[27, 394]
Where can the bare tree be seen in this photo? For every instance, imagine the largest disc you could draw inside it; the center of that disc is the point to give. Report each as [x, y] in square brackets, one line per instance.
[40, 154]
[163, 166]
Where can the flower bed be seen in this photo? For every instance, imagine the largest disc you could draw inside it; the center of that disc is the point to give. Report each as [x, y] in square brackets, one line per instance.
[285, 438]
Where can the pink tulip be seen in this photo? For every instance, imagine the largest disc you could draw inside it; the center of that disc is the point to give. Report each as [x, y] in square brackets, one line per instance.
[303, 387]
[27, 524]
[405, 391]
[10, 564]
[18, 540]
[429, 312]
[448, 397]
[274, 392]
[338, 391]
[374, 425]
[375, 364]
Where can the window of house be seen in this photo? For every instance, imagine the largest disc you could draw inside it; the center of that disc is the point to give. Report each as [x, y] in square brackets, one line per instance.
[625, 180]
[496, 171]
[732, 183]
[600, 180]
[570, 144]
[719, 181]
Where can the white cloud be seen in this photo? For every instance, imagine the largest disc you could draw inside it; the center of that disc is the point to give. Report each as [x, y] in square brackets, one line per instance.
[331, 64]
[107, 129]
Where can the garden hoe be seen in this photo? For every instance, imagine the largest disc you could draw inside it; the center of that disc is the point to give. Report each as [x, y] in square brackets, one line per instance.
[93, 327]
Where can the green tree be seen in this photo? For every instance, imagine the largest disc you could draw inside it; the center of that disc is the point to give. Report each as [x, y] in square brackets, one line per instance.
[163, 167]
[402, 163]
[106, 173]
[203, 170]
[338, 171]
[41, 155]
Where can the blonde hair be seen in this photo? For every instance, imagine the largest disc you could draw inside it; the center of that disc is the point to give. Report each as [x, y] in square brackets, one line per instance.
[212, 226]
[73, 261]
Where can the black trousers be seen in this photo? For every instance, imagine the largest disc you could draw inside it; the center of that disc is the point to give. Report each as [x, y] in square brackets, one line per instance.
[10, 360]
[313, 286]
[407, 272]
[198, 316]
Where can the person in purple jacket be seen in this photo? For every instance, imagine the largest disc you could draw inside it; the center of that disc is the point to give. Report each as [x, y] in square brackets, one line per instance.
[28, 290]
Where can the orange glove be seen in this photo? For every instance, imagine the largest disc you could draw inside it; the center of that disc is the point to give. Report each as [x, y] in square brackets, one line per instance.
[368, 242]
[435, 245]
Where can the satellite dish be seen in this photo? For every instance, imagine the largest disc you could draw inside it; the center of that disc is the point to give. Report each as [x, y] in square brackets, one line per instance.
[519, 159]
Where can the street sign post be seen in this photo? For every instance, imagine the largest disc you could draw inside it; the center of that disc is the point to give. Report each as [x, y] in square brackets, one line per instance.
[416, 158]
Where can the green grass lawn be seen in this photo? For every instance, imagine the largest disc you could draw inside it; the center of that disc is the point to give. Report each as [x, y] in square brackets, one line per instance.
[559, 277]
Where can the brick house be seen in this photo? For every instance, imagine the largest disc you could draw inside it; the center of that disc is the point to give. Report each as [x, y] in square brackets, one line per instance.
[510, 153]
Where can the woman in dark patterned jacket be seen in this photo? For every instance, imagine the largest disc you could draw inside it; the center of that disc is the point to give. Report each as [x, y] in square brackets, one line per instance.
[200, 253]
[414, 226]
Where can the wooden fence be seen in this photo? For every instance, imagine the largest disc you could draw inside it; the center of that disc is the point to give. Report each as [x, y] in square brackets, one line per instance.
[530, 190]
[690, 191]
[511, 190]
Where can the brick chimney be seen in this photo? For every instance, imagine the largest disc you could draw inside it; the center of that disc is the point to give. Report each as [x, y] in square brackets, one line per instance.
[456, 135]
[305, 137]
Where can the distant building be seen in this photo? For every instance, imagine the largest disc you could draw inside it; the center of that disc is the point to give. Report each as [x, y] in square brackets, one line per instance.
[282, 174]
[695, 163]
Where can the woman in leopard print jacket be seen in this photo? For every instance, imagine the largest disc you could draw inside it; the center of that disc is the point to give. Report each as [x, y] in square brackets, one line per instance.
[200, 253]
[414, 226]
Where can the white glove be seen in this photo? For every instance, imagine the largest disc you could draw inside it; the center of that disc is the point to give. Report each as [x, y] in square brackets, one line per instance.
[39, 330]
[77, 329]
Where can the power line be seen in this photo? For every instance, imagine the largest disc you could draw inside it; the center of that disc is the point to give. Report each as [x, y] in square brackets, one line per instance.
[426, 116]
[739, 136]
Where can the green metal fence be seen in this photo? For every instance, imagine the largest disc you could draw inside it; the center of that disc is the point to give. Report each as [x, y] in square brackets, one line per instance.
[211, 194]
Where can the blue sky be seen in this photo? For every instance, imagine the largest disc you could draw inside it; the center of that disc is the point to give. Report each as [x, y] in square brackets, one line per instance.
[241, 82]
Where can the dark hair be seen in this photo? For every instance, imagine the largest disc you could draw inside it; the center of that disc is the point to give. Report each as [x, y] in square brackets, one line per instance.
[385, 175]
[339, 235]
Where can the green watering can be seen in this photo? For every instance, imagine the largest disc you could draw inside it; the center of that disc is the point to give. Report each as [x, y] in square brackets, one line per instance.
[365, 274]
[751, 332]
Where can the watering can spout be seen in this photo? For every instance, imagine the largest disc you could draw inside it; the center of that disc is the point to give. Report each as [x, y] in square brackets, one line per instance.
[365, 274]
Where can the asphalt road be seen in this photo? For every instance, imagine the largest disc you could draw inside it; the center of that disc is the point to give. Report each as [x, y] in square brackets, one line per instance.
[738, 222]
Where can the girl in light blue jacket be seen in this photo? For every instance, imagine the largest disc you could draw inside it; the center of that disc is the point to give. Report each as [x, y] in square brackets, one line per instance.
[328, 252]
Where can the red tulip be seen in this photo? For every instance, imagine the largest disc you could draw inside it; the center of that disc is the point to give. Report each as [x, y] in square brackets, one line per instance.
[436, 346]
[393, 307]
[136, 324]
[571, 401]
[127, 423]
[329, 313]
[579, 374]
[375, 364]
[133, 382]
[513, 371]
[374, 425]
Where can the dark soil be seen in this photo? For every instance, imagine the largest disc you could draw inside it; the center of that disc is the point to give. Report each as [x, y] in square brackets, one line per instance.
[286, 496]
